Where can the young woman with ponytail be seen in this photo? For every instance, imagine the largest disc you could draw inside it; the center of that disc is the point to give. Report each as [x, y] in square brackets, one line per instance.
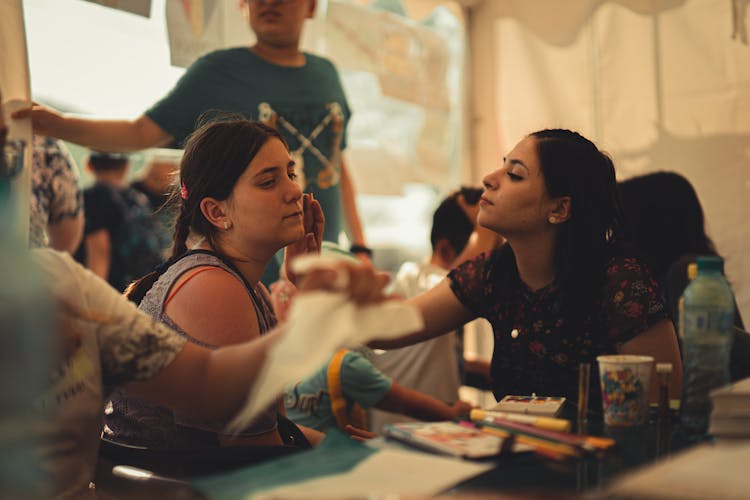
[239, 204]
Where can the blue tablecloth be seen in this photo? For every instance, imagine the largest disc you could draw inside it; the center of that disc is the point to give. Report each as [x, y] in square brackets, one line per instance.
[338, 453]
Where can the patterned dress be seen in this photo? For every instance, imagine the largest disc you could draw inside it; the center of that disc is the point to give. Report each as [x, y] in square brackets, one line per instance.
[536, 350]
[55, 193]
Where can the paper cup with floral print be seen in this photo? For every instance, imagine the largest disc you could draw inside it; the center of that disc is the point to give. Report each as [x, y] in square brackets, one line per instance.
[625, 380]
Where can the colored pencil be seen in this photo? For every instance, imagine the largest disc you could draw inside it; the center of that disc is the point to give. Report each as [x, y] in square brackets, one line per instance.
[585, 443]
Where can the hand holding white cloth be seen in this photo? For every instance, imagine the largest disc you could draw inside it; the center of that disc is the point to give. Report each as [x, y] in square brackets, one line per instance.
[318, 323]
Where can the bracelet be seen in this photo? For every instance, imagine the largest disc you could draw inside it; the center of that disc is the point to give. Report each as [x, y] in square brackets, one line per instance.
[361, 249]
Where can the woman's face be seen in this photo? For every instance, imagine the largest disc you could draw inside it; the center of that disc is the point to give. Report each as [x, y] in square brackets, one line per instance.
[265, 206]
[515, 199]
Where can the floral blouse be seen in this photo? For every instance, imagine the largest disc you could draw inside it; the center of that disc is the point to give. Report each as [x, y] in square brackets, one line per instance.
[55, 192]
[535, 350]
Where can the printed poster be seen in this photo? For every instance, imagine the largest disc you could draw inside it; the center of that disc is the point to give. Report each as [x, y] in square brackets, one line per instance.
[138, 7]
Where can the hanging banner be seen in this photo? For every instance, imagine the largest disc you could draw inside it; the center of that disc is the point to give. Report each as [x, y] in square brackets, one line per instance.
[196, 27]
[193, 29]
[14, 83]
[410, 60]
[139, 7]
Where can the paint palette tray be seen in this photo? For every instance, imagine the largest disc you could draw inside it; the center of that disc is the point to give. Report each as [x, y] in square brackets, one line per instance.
[549, 406]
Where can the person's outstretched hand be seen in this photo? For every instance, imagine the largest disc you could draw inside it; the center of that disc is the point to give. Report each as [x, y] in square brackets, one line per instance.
[311, 242]
[461, 408]
[44, 120]
[360, 281]
[359, 434]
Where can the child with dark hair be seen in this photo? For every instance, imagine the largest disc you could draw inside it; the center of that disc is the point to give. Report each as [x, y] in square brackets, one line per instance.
[432, 367]
[667, 224]
[563, 289]
[121, 240]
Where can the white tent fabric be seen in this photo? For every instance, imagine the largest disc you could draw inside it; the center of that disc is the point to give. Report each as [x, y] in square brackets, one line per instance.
[139, 7]
[402, 78]
[660, 85]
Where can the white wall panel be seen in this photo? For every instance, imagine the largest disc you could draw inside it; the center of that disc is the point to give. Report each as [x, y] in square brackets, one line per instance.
[661, 85]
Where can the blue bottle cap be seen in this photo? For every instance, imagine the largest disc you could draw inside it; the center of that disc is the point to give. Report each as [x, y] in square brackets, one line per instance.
[710, 263]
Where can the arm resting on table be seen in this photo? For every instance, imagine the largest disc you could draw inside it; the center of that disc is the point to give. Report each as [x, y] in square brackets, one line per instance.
[415, 404]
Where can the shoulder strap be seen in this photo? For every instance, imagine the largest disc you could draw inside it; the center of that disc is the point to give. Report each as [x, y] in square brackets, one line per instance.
[338, 403]
[231, 266]
[191, 274]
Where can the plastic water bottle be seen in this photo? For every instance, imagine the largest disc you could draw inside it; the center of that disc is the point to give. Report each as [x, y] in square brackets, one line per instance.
[706, 320]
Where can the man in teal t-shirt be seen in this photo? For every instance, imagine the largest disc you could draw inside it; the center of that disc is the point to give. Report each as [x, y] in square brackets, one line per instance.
[272, 81]
[306, 104]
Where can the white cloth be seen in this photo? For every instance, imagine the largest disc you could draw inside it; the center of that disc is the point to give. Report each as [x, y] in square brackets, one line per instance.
[118, 344]
[430, 367]
[319, 323]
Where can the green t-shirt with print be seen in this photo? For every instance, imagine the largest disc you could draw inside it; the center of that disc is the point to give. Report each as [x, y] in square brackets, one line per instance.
[306, 104]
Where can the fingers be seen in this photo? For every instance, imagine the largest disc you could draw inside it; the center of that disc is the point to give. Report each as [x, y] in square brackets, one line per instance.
[366, 285]
[363, 257]
[360, 282]
[318, 221]
[307, 217]
[317, 212]
[24, 112]
[359, 434]
[312, 244]
[313, 219]
[21, 113]
[319, 279]
[463, 407]
[382, 280]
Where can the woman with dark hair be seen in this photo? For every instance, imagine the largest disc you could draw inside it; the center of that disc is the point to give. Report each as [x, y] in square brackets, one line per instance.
[666, 219]
[563, 289]
[668, 227]
[239, 205]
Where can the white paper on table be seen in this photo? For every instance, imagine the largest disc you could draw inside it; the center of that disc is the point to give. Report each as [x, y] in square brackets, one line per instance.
[706, 471]
[318, 324]
[383, 473]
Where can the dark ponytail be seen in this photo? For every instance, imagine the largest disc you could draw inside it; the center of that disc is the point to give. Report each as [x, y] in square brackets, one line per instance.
[215, 157]
[573, 166]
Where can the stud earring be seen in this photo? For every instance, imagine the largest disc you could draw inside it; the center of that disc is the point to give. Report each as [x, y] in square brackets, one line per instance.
[552, 219]
[226, 225]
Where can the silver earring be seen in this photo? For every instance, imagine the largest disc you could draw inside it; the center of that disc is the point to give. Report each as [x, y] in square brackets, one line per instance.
[226, 225]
